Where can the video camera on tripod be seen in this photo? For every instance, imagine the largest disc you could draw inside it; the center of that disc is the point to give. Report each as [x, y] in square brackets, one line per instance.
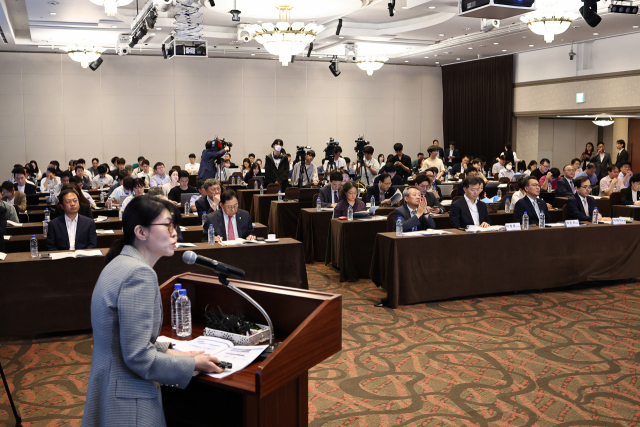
[359, 148]
[361, 166]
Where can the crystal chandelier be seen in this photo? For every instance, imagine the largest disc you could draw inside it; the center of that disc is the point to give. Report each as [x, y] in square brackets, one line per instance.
[370, 63]
[84, 54]
[552, 17]
[111, 6]
[284, 39]
[603, 121]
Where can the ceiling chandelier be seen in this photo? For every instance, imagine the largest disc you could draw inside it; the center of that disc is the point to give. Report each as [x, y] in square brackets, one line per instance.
[603, 121]
[111, 6]
[284, 39]
[552, 17]
[370, 63]
[84, 54]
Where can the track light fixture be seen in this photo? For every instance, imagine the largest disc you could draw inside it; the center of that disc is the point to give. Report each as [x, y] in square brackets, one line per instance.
[391, 6]
[96, 64]
[339, 27]
[620, 7]
[310, 49]
[590, 12]
[333, 67]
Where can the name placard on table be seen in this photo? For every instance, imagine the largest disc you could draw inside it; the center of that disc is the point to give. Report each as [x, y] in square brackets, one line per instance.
[572, 223]
[512, 226]
[618, 221]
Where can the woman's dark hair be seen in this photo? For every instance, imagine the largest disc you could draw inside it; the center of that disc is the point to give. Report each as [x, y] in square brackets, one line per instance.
[7, 186]
[36, 169]
[246, 161]
[380, 155]
[532, 163]
[114, 159]
[587, 146]
[139, 182]
[346, 187]
[145, 210]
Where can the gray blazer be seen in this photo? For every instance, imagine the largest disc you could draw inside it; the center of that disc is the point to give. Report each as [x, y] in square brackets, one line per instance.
[128, 364]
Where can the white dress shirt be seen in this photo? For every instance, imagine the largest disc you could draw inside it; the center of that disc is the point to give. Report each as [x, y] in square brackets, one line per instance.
[226, 225]
[45, 189]
[634, 195]
[473, 208]
[119, 192]
[536, 208]
[125, 202]
[585, 205]
[506, 173]
[192, 167]
[339, 164]
[514, 199]
[72, 226]
[98, 182]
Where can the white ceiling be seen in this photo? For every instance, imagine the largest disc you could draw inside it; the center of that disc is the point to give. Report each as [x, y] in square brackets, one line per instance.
[422, 32]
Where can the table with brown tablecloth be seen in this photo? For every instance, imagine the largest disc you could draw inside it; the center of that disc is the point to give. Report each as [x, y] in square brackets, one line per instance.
[350, 246]
[515, 262]
[245, 198]
[603, 204]
[626, 211]
[38, 215]
[283, 217]
[42, 296]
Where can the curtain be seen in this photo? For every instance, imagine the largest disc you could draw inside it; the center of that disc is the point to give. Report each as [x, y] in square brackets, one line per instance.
[478, 105]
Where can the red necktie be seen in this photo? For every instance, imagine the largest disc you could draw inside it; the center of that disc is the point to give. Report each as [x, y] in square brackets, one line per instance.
[230, 234]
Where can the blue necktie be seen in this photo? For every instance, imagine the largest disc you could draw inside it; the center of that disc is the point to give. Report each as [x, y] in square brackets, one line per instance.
[335, 196]
[413, 213]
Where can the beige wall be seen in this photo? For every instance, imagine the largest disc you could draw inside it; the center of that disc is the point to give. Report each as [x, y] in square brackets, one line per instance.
[165, 109]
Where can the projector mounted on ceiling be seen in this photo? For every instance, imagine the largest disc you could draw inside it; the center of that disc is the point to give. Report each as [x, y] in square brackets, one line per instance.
[494, 9]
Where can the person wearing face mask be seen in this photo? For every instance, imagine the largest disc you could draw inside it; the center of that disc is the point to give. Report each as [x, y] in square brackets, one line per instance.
[507, 172]
[276, 166]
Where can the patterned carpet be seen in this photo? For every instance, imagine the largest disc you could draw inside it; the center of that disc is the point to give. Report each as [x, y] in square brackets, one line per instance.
[565, 358]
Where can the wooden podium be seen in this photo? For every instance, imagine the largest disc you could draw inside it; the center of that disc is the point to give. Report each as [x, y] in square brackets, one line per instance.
[272, 392]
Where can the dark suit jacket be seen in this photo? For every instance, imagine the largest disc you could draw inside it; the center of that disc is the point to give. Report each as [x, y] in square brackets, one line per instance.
[203, 207]
[524, 205]
[601, 166]
[456, 157]
[207, 163]
[3, 226]
[460, 215]
[622, 157]
[433, 202]
[575, 209]
[325, 196]
[408, 221]
[626, 198]
[58, 238]
[243, 223]
[85, 210]
[374, 191]
[564, 188]
[457, 168]
[273, 174]
[28, 188]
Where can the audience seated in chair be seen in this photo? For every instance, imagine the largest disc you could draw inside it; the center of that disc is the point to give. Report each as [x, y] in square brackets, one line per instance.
[468, 210]
[631, 194]
[14, 197]
[71, 231]
[414, 214]
[348, 197]
[580, 206]
[21, 183]
[530, 203]
[229, 222]
[423, 183]
[329, 194]
[211, 202]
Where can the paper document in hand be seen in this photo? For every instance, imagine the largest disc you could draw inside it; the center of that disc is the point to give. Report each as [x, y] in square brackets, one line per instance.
[396, 197]
[238, 355]
[7, 237]
[183, 228]
[15, 224]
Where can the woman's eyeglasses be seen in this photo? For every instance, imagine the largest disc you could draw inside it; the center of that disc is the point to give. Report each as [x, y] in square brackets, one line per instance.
[170, 226]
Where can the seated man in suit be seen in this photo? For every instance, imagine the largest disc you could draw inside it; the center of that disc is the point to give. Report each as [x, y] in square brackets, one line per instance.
[435, 183]
[459, 168]
[71, 231]
[469, 210]
[229, 223]
[580, 206]
[381, 191]
[211, 203]
[565, 187]
[471, 172]
[330, 194]
[631, 194]
[21, 183]
[423, 183]
[530, 203]
[12, 214]
[414, 214]
[14, 197]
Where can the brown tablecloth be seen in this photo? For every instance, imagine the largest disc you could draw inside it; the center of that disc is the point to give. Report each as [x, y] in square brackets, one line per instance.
[621, 210]
[603, 204]
[283, 217]
[497, 218]
[397, 265]
[37, 298]
[350, 246]
[245, 198]
[38, 215]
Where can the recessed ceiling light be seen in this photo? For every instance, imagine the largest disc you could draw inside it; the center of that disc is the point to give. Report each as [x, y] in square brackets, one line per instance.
[530, 45]
[114, 26]
[466, 28]
[320, 56]
[426, 57]
[327, 42]
[406, 61]
[635, 26]
[496, 43]
[153, 34]
[253, 54]
[52, 13]
[524, 37]
[595, 34]
[405, 7]
[504, 50]
[259, 21]
[158, 28]
[457, 59]
[432, 7]
[470, 48]
[437, 62]
[435, 55]
[576, 26]
[340, 37]
[440, 35]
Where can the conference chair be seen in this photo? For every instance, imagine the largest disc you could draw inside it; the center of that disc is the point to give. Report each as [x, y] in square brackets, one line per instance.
[615, 199]
[454, 192]
[273, 188]
[456, 198]
[504, 179]
[564, 212]
[391, 222]
[252, 182]
[292, 193]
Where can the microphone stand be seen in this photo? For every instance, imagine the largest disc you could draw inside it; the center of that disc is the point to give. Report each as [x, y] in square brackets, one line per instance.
[16, 414]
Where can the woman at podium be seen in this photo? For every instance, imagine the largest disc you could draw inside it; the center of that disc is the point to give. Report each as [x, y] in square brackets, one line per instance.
[128, 365]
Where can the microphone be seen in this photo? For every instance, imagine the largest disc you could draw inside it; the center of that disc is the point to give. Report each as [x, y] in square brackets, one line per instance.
[191, 257]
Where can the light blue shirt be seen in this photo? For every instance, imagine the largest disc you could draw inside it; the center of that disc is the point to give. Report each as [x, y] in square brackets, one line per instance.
[593, 178]
[157, 180]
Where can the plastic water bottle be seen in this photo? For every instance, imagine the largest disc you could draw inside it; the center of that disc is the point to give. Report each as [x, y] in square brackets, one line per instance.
[33, 244]
[47, 214]
[594, 216]
[350, 213]
[45, 227]
[183, 314]
[499, 194]
[174, 297]
[109, 203]
[101, 194]
[120, 213]
[373, 201]
[212, 236]
[261, 190]
[399, 227]
[279, 196]
[507, 205]
[255, 185]
[187, 206]
[542, 220]
[525, 221]
[318, 204]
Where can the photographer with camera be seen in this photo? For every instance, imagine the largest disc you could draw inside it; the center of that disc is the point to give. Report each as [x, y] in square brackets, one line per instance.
[276, 166]
[213, 149]
[367, 167]
[309, 172]
[333, 161]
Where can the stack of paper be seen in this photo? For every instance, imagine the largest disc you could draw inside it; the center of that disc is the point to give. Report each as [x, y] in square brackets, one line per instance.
[185, 245]
[15, 224]
[492, 228]
[373, 218]
[7, 237]
[101, 218]
[76, 254]
[429, 232]
[446, 202]
[100, 231]
[2, 256]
